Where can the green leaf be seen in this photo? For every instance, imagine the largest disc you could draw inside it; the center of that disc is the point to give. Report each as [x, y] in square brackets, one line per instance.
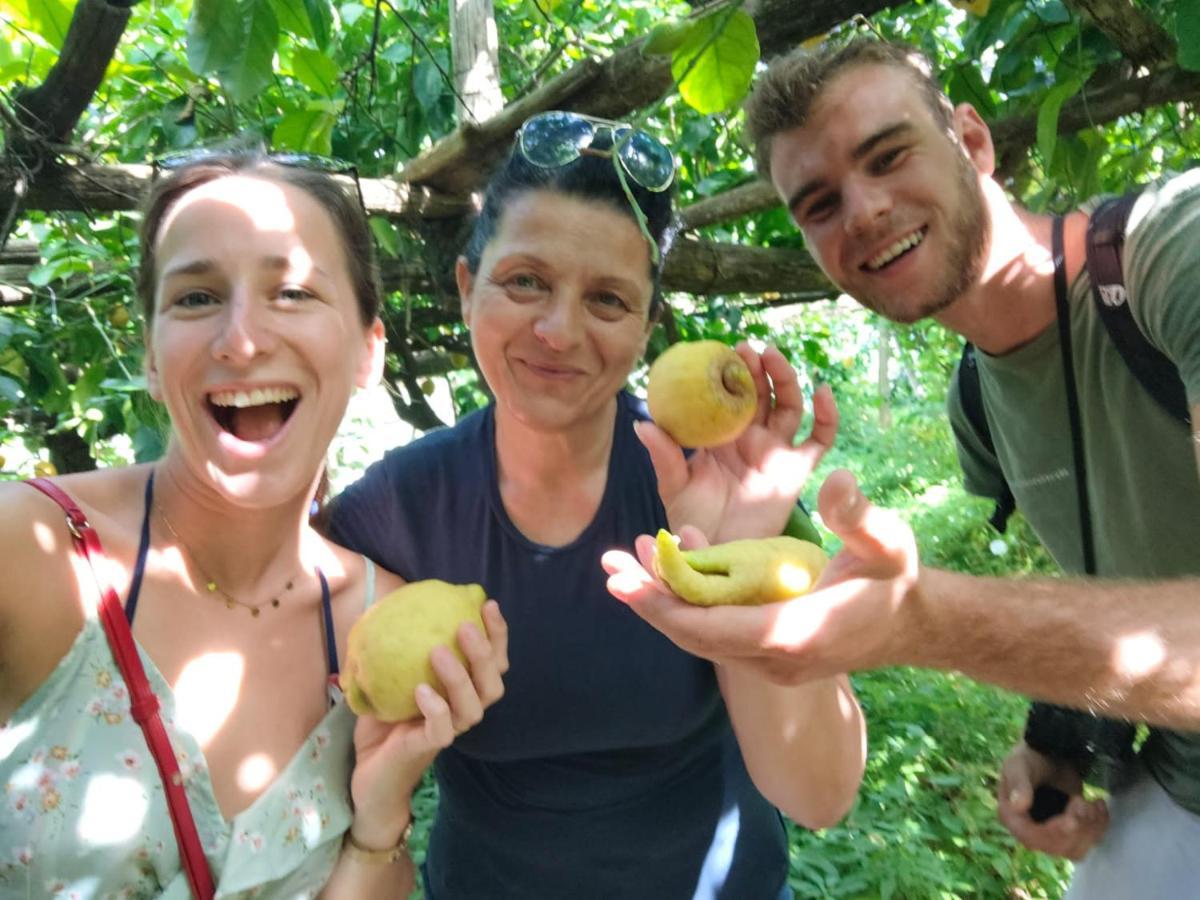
[310, 19]
[1187, 33]
[315, 70]
[307, 130]
[48, 18]
[428, 84]
[397, 52]
[799, 525]
[10, 390]
[1047, 119]
[385, 236]
[214, 34]
[1052, 12]
[715, 63]
[250, 71]
[666, 37]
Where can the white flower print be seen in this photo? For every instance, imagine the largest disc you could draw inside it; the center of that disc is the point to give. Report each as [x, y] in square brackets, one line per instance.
[130, 759]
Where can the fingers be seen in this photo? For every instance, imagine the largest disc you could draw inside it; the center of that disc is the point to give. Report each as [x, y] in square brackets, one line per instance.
[471, 688]
[762, 386]
[670, 466]
[466, 706]
[787, 410]
[1070, 833]
[875, 536]
[437, 721]
[708, 632]
[497, 631]
[824, 428]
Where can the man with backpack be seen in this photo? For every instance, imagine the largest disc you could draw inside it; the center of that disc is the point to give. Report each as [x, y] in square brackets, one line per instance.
[892, 187]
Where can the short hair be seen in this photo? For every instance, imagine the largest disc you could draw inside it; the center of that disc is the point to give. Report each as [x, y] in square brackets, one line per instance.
[349, 218]
[784, 94]
[589, 177]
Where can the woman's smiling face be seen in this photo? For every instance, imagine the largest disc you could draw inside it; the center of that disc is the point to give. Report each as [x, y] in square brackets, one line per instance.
[559, 307]
[256, 342]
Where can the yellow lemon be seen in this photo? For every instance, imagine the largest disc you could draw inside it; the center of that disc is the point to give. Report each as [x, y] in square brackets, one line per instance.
[744, 573]
[701, 393]
[388, 648]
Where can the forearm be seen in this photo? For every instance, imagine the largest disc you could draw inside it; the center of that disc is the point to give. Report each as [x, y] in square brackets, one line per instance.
[354, 877]
[1121, 648]
[804, 745]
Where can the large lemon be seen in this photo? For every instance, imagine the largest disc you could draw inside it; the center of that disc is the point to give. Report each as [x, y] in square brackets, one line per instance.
[701, 393]
[388, 649]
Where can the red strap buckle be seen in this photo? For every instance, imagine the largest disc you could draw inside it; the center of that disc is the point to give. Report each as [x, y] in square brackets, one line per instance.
[77, 523]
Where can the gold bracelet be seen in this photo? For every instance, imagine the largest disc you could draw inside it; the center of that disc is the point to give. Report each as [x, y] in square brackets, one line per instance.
[355, 850]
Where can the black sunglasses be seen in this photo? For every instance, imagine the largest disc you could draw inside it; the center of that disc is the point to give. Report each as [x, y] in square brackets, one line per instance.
[557, 138]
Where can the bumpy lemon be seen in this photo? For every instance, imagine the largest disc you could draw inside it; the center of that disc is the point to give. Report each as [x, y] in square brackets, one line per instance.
[388, 647]
[744, 573]
[701, 393]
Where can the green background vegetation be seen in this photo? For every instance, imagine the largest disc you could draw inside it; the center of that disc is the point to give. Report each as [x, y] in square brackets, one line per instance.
[366, 82]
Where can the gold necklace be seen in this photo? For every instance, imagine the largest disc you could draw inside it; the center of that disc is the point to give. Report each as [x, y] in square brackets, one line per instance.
[210, 583]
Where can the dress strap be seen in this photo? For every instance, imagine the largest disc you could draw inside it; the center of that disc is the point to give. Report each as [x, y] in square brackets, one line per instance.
[368, 582]
[139, 567]
[327, 617]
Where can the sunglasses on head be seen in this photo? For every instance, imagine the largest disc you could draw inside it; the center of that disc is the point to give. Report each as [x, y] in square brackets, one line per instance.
[553, 139]
[287, 158]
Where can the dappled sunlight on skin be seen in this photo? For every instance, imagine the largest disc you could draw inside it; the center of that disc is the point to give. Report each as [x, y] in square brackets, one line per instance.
[1138, 655]
[114, 806]
[255, 773]
[780, 473]
[795, 579]
[206, 693]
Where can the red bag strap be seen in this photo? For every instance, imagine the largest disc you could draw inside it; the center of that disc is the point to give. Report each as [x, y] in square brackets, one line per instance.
[143, 704]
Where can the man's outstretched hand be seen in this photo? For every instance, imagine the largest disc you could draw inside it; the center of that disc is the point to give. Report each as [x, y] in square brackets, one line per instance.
[852, 619]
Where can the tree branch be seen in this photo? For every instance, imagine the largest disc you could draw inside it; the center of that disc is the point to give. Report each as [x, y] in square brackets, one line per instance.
[1140, 39]
[626, 81]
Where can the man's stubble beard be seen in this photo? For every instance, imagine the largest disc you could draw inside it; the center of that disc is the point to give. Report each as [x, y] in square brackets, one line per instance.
[966, 244]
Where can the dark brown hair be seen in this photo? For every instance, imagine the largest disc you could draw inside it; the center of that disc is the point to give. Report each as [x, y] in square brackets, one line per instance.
[589, 177]
[784, 94]
[349, 218]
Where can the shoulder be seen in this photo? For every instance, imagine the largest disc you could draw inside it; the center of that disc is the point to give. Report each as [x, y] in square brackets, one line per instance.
[1163, 221]
[1161, 257]
[45, 585]
[440, 449]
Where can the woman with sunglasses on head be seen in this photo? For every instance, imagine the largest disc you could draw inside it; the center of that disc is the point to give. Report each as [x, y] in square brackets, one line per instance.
[611, 768]
[253, 779]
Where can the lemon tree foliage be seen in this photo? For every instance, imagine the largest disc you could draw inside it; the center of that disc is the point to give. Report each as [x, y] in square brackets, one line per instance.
[366, 82]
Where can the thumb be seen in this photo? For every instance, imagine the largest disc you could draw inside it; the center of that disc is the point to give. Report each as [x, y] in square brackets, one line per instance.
[1016, 780]
[670, 466]
[871, 534]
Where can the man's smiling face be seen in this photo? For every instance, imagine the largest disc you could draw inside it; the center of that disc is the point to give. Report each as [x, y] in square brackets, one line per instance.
[889, 203]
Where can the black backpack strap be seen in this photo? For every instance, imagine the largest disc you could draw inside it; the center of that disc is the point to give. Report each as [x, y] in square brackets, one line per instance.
[1156, 373]
[971, 394]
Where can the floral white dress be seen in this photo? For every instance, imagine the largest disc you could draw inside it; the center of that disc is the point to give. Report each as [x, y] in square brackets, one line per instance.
[83, 814]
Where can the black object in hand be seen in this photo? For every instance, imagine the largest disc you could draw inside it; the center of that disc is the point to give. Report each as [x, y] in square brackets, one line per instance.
[1048, 802]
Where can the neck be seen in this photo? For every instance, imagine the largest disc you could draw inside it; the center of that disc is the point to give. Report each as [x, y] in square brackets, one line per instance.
[229, 543]
[547, 459]
[1013, 301]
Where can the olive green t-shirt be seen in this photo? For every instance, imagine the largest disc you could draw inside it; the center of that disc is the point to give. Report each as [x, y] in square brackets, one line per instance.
[1142, 477]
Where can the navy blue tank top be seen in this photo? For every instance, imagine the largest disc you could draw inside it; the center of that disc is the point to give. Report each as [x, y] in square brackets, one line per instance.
[609, 768]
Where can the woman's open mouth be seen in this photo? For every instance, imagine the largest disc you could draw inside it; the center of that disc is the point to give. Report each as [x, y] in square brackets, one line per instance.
[256, 415]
